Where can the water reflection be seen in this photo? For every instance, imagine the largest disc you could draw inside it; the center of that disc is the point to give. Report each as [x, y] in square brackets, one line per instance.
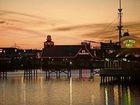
[39, 91]
[71, 91]
[121, 94]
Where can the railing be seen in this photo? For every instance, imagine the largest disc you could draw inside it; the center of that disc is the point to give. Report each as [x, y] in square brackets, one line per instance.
[120, 72]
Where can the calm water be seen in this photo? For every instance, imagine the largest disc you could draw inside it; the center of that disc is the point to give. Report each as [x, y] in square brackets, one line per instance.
[19, 91]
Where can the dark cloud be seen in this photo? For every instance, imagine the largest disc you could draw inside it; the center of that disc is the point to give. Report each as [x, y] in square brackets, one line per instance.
[26, 22]
[78, 27]
[22, 30]
[28, 18]
[2, 22]
[132, 25]
[112, 33]
[103, 32]
[98, 34]
[5, 12]
[133, 28]
[88, 31]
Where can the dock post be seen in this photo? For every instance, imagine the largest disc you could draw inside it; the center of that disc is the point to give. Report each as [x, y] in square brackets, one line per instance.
[69, 73]
[46, 74]
[91, 73]
[3, 74]
[6, 74]
[49, 74]
[35, 72]
[59, 73]
[80, 73]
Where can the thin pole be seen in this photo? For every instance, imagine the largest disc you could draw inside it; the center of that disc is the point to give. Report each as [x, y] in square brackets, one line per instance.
[120, 21]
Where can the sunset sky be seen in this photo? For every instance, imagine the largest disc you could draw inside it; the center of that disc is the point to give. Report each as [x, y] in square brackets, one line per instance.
[28, 22]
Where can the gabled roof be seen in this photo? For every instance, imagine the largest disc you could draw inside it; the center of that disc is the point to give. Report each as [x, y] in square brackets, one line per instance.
[61, 51]
[67, 51]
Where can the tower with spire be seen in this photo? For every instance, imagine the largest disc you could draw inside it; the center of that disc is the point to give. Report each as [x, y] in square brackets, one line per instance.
[48, 43]
[120, 22]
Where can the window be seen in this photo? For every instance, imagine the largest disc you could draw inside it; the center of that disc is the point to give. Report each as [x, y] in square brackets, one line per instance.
[1, 50]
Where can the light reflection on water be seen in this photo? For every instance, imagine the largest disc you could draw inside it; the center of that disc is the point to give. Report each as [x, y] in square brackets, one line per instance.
[20, 91]
[122, 94]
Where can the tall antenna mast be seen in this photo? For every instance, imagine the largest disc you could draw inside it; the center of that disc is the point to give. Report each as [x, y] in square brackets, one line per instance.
[120, 21]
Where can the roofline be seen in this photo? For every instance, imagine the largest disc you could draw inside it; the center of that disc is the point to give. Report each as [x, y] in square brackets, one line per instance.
[95, 57]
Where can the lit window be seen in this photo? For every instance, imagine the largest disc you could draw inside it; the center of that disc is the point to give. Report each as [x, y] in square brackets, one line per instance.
[83, 51]
[124, 59]
[1, 50]
[129, 43]
[106, 59]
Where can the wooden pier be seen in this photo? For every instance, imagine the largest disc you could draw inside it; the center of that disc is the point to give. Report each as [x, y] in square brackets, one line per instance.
[58, 72]
[120, 75]
[3, 74]
[4, 67]
[29, 73]
[120, 69]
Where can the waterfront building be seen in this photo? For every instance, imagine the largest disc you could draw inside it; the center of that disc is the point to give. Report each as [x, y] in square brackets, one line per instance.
[123, 63]
[78, 55]
[15, 58]
[128, 41]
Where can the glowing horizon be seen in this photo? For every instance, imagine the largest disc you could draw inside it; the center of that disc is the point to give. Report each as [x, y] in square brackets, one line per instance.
[28, 22]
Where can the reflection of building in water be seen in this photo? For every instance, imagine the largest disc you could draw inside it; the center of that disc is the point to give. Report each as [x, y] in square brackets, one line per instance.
[117, 95]
[109, 96]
